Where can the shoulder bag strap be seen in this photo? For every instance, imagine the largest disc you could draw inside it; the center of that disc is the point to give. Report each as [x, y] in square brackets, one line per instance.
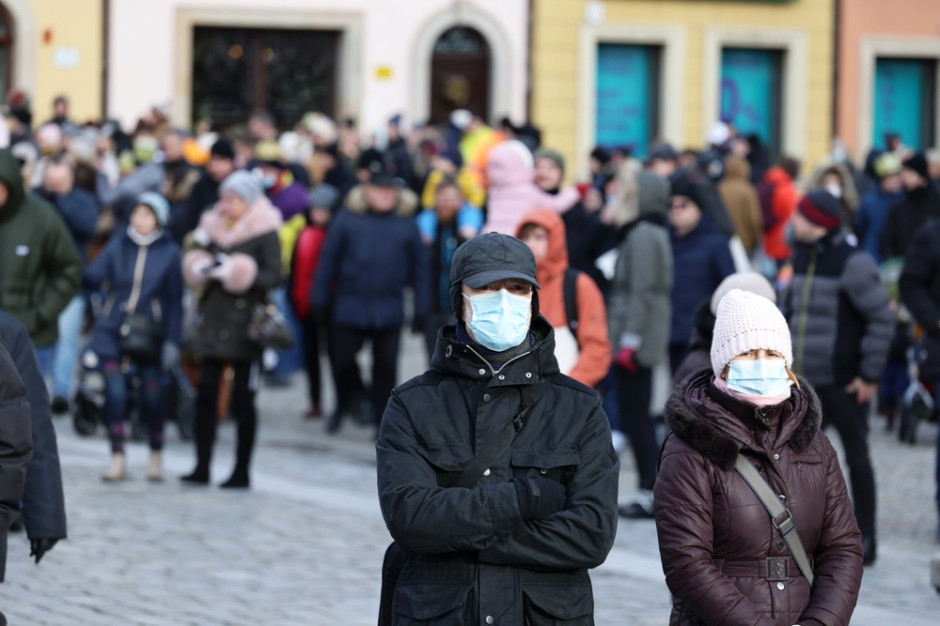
[496, 445]
[779, 514]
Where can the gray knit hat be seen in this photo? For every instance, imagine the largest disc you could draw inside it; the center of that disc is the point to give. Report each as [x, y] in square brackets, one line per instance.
[242, 184]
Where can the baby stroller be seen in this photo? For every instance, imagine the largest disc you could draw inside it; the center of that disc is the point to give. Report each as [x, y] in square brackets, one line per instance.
[917, 403]
[90, 398]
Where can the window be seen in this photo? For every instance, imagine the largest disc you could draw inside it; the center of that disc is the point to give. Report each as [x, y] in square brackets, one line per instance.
[6, 51]
[751, 80]
[905, 101]
[627, 96]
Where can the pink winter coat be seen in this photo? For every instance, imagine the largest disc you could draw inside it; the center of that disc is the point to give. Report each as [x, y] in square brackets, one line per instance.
[510, 171]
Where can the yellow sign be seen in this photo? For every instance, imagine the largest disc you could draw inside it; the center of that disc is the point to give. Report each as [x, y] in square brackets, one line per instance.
[383, 72]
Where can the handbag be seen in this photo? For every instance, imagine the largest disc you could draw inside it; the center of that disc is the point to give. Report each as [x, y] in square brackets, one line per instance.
[395, 557]
[779, 514]
[268, 327]
[140, 337]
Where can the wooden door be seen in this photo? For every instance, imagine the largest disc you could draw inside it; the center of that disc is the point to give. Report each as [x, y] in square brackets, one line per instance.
[460, 74]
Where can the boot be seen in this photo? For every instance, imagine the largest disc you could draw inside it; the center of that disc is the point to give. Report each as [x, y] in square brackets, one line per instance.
[155, 469]
[118, 469]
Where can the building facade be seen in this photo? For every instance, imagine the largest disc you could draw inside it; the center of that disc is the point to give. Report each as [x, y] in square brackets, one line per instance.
[888, 77]
[50, 48]
[360, 58]
[625, 72]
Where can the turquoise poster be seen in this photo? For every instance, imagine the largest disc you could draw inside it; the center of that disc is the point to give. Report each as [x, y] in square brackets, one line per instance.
[624, 104]
[899, 101]
[748, 91]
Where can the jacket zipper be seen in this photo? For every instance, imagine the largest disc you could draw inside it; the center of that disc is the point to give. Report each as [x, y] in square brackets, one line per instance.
[138, 279]
[804, 313]
[492, 371]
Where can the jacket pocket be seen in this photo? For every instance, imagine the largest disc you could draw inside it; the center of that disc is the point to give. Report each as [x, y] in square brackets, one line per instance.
[427, 604]
[448, 462]
[557, 463]
[553, 605]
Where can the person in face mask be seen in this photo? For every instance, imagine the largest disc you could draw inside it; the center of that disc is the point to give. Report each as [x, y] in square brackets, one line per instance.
[716, 540]
[513, 541]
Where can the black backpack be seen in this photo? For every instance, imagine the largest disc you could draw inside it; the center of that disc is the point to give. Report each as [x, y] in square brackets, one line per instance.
[570, 292]
[765, 194]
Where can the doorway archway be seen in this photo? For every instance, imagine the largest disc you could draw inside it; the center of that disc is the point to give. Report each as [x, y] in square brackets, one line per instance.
[460, 73]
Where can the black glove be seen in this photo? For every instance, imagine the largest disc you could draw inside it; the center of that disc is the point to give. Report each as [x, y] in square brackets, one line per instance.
[419, 325]
[38, 547]
[539, 497]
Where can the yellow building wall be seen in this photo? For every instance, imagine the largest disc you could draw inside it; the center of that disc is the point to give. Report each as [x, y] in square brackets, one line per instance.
[556, 62]
[70, 26]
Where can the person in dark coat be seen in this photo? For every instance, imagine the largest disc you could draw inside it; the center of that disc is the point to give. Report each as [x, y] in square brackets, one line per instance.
[921, 202]
[141, 270]
[514, 547]
[368, 260]
[185, 217]
[79, 209]
[876, 204]
[701, 260]
[16, 449]
[842, 323]
[43, 501]
[236, 264]
[719, 547]
[920, 292]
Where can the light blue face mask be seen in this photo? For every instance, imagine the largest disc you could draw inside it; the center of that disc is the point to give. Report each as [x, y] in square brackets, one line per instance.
[499, 320]
[767, 378]
[268, 181]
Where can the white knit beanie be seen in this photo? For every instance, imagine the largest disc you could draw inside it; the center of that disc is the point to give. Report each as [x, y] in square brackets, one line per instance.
[746, 321]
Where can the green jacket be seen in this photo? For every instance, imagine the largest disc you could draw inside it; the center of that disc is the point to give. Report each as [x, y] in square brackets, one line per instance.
[40, 270]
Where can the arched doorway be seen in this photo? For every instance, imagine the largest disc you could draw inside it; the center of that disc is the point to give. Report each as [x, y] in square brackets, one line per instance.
[460, 73]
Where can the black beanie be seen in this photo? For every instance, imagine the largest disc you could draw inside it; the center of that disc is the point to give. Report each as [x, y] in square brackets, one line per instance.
[918, 163]
[223, 148]
[821, 208]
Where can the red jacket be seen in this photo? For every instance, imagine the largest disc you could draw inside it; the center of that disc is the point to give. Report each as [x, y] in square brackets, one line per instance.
[784, 204]
[304, 266]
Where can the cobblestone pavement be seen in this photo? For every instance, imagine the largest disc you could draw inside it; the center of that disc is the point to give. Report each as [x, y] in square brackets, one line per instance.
[305, 544]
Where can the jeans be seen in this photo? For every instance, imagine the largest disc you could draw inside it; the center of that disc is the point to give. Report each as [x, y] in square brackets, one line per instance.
[45, 358]
[66, 349]
[149, 402]
[851, 420]
[292, 359]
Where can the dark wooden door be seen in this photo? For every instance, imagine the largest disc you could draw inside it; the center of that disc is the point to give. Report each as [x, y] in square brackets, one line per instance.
[238, 70]
[460, 74]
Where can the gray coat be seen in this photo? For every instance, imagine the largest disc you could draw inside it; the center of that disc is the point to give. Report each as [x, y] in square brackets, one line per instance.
[640, 309]
[43, 498]
[470, 553]
[839, 313]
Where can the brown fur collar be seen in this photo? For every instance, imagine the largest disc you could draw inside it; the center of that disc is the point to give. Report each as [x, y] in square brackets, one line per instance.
[690, 416]
[260, 219]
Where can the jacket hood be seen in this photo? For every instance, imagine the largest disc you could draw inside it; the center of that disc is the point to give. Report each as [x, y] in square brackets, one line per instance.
[556, 261]
[710, 429]
[510, 163]
[11, 177]
[653, 193]
[737, 168]
[260, 219]
[849, 190]
[455, 358]
[776, 176]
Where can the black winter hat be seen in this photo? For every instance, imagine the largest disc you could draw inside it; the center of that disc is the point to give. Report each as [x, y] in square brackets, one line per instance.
[821, 208]
[693, 190]
[489, 258]
[918, 163]
[222, 148]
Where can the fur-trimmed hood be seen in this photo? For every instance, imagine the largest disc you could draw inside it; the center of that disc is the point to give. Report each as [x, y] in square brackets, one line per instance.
[260, 219]
[710, 429]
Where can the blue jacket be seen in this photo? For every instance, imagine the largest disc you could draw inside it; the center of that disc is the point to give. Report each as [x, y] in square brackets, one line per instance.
[160, 284]
[79, 210]
[701, 260]
[871, 218]
[368, 260]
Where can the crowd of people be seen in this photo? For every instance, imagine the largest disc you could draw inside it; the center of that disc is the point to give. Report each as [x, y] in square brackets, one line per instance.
[165, 244]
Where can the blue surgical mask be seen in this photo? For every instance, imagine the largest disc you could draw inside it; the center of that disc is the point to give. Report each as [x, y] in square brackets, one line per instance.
[767, 378]
[268, 181]
[499, 320]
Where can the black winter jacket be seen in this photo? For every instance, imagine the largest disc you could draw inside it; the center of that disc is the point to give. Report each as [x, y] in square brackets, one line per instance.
[714, 534]
[839, 313]
[920, 292]
[43, 499]
[905, 218]
[470, 553]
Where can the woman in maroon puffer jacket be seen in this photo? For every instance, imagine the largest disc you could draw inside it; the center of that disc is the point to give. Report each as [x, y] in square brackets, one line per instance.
[715, 536]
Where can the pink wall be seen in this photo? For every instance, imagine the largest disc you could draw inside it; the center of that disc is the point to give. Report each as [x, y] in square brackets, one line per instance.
[871, 18]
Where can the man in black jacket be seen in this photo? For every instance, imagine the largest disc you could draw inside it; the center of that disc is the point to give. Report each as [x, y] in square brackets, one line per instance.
[512, 542]
[920, 292]
[904, 219]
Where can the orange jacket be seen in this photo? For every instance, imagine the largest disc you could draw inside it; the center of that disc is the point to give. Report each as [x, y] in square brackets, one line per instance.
[593, 343]
[784, 204]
